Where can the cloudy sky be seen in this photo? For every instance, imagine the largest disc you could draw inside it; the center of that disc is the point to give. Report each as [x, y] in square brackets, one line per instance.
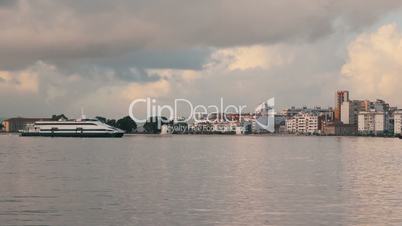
[57, 56]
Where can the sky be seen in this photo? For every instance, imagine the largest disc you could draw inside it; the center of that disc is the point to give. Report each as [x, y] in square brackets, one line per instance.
[58, 56]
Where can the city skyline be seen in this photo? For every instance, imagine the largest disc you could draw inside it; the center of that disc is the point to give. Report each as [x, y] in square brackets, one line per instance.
[60, 56]
[348, 117]
[346, 97]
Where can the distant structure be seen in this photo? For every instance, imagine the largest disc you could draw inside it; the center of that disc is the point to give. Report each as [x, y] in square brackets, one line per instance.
[326, 113]
[372, 122]
[398, 122]
[13, 125]
[348, 117]
[363, 116]
[306, 120]
[376, 118]
[349, 111]
[303, 123]
[338, 129]
[340, 97]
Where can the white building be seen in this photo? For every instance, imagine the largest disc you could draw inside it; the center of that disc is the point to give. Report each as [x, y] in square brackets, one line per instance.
[398, 122]
[371, 122]
[346, 112]
[304, 123]
[350, 111]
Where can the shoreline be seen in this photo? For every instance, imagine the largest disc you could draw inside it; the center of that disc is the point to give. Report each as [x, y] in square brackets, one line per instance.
[234, 135]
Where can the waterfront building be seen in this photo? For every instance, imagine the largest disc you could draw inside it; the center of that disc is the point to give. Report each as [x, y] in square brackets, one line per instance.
[338, 129]
[13, 125]
[372, 122]
[303, 123]
[347, 112]
[340, 97]
[398, 122]
[350, 110]
[327, 113]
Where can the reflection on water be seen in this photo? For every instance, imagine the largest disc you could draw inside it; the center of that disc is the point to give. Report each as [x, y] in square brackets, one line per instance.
[200, 180]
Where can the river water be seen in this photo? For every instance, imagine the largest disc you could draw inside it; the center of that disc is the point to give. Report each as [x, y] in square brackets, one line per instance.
[200, 180]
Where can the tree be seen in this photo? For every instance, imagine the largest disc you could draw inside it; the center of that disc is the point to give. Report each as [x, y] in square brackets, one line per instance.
[61, 117]
[151, 125]
[111, 122]
[127, 124]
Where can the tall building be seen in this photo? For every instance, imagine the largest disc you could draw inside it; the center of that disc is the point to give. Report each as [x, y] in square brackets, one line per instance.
[350, 110]
[398, 122]
[340, 97]
[346, 112]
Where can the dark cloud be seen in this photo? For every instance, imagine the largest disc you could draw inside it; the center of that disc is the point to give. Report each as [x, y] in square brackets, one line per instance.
[131, 67]
[145, 58]
[67, 30]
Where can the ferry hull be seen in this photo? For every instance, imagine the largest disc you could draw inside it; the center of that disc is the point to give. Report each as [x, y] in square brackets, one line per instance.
[93, 135]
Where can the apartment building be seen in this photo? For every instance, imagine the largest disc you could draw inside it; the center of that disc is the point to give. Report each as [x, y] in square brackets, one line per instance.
[398, 122]
[350, 111]
[372, 122]
[303, 123]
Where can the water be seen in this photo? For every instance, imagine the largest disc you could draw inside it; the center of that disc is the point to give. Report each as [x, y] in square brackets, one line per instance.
[200, 180]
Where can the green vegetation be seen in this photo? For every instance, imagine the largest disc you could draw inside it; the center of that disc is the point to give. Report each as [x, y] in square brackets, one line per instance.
[59, 117]
[151, 126]
[125, 123]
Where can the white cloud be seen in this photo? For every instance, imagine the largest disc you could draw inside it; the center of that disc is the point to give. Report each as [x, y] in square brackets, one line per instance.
[23, 82]
[254, 57]
[374, 66]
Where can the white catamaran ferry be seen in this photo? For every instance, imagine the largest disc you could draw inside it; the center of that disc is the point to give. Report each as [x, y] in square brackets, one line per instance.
[71, 128]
